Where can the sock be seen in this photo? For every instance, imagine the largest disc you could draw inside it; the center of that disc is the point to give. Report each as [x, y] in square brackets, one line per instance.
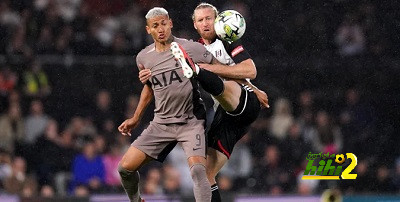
[210, 82]
[215, 197]
[201, 188]
[130, 182]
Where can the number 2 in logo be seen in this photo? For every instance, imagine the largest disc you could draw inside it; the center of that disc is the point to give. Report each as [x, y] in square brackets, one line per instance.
[346, 173]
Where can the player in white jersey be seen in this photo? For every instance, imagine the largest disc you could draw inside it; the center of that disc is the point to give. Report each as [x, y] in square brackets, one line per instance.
[228, 127]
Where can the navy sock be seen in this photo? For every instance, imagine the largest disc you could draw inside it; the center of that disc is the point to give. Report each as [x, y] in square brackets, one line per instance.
[215, 197]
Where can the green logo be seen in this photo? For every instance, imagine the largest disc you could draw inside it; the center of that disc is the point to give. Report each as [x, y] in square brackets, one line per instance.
[329, 167]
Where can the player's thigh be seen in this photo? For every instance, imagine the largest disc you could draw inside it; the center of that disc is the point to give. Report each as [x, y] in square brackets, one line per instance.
[156, 141]
[193, 141]
[133, 159]
[230, 98]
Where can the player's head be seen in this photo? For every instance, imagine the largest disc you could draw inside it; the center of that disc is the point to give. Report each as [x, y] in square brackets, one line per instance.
[159, 24]
[203, 20]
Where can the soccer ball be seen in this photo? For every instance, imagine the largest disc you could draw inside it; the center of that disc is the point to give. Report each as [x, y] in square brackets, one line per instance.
[229, 25]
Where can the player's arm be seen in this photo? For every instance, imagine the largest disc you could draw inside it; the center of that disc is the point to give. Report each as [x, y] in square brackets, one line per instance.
[244, 67]
[243, 70]
[145, 98]
[261, 95]
[147, 92]
[146, 95]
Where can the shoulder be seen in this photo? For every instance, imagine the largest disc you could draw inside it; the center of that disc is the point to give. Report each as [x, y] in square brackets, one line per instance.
[146, 50]
[182, 40]
[188, 43]
[234, 48]
[232, 45]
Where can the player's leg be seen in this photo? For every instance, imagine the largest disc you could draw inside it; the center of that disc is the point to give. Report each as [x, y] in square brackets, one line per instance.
[154, 143]
[193, 140]
[221, 139]
[215, 161]
[227, 93]
[230, 97]
[201, 188]
[226, 129]
[128, 168]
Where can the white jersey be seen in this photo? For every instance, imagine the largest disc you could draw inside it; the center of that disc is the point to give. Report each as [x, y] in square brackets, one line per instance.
[217, 49]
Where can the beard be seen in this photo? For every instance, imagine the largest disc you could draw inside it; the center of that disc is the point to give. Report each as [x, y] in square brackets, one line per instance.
[210, 35]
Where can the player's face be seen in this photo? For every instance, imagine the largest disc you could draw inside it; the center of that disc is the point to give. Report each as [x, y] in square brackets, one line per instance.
[160, 28]
[204, 22]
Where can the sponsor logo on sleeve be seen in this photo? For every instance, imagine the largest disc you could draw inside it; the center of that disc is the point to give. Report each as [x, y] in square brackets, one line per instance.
[237, 50]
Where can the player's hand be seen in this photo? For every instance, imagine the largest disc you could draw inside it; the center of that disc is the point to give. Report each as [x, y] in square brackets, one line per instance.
[144, 74]
[126, 126]
[262, 98]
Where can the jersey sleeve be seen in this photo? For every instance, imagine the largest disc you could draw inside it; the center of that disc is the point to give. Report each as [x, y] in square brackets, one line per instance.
[200, 54]
[139, 61]
[236, 51]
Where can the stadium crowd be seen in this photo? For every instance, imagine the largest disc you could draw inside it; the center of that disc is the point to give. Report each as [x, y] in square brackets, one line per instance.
[330, 69]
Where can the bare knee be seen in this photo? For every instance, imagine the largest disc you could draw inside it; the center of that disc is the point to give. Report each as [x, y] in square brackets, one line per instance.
[125, 164]
[133, 159]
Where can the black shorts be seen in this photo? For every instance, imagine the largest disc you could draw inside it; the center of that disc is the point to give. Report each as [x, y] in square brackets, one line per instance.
[228, 128]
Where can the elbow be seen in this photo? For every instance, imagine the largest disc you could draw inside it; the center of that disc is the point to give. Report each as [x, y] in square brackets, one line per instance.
[251, 69]
[253, 74]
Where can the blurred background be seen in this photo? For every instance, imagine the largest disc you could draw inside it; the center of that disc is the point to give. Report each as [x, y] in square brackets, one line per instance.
[68, 78]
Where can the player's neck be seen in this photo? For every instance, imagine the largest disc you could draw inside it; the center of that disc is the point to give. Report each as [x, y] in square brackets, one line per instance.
[209, 41]
[163, 46]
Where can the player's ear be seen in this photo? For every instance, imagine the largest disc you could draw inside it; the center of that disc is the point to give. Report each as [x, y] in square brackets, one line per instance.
[148, 29]
[171, 24]
[194, 25]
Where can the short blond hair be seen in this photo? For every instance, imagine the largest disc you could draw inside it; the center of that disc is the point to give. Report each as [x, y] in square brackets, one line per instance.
[156, 11]
[205, 5]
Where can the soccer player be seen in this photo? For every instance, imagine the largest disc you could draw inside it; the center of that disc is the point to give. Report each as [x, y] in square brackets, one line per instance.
[179, 113]
[228, 126]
